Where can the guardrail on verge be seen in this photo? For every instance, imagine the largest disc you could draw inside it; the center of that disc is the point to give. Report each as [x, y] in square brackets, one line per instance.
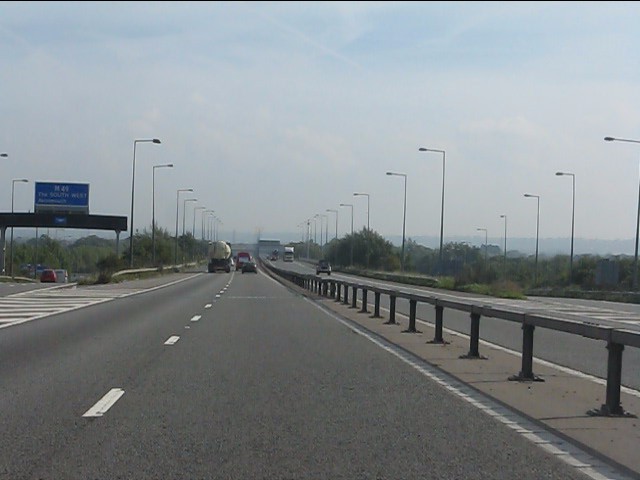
[615, 338]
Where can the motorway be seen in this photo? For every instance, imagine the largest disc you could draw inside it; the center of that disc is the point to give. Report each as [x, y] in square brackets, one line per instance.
[229, 376]
[572, 351]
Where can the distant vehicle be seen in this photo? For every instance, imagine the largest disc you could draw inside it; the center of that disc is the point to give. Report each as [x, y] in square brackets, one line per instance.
[62, 276]
[241, 259]
[274, 255]
[250, 266]
[323, 266]
[48, 276]
[219, 257]
[288, 254]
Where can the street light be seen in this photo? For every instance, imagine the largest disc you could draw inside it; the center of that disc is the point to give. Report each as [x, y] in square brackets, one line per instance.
[537, 197]
[573, 214]
[153, 208]
[364, 195]
[505, 245]
[193, 253]
[486, 242]
[13, 183]
[351, 206]
[404, 215]
[336, 212]
[193, 231]
[175, 259]
[184, 216]
[422, 149]
[209, 213]
[326, 230]
[635, 256]
[133, 183]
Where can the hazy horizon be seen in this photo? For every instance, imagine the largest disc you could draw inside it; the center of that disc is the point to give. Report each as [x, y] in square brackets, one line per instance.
[276, 113]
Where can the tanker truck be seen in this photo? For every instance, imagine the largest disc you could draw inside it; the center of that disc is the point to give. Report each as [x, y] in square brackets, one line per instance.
[219, 256]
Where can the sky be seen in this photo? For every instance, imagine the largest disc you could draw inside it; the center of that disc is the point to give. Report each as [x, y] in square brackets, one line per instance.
[276, 112]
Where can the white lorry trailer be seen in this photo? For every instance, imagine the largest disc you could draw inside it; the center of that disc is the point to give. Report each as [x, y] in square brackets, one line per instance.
[288, 254]
[219, 256]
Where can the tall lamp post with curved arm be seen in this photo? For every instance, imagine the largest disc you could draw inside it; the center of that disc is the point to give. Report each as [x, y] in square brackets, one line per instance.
[336, 212]
[486, 244]
[13, 183]
[537, 197]
[573, 215]
[350, 206]
[404, 215]
[153, 209]
[175, 259]
[133, 184]
[422, 149]
[368, 207]
[184, 215]
[635, 256]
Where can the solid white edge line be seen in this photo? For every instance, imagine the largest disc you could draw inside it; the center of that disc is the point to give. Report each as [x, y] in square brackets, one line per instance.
[569, 453]
[172, 340]
[105, 403]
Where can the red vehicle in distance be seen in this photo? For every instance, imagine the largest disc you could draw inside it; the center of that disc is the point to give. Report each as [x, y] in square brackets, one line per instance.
[241, 259]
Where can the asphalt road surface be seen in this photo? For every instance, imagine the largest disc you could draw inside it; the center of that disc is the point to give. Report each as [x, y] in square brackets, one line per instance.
[230, 376]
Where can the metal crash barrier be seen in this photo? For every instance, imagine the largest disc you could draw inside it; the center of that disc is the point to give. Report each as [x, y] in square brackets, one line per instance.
[616, 339]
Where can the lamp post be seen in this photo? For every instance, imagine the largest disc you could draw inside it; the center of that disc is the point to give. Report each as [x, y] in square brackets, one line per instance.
[184, 216]
[175, 259]
[505, 246]
[351, 254]
[537, 197]
[422, 149]
[336, 212]
[635, 256]
[193, 253]
[486, 241]
[133, 183]
[364, 195]
[153, 209]
[573, 214]
[13, 183]
[193, 230]
[326, 230]
[404, 216]
[208, 213]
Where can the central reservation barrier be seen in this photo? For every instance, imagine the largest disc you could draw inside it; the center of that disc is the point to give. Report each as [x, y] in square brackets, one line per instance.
[616, 339]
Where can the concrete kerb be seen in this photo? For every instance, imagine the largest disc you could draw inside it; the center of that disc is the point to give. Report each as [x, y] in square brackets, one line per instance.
[560, 404]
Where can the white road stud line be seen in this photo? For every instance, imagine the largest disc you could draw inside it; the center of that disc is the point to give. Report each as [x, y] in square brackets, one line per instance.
[172, 340]
[559, 448]
[195, 318]
[208, 305]
[105, 403]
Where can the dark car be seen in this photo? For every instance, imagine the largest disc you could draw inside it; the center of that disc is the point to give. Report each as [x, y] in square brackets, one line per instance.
[250, 266]
[323, 267]
[48, 276]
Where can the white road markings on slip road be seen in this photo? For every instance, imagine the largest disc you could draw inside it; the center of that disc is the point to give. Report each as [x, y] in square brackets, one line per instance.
[208, 305]
[105, 403]
[172, 340]
[195, 318]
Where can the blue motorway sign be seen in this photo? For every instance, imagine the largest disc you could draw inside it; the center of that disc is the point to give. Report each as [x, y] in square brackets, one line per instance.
[62, 197]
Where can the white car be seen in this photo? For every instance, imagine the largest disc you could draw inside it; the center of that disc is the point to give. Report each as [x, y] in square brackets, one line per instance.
[62, 276]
